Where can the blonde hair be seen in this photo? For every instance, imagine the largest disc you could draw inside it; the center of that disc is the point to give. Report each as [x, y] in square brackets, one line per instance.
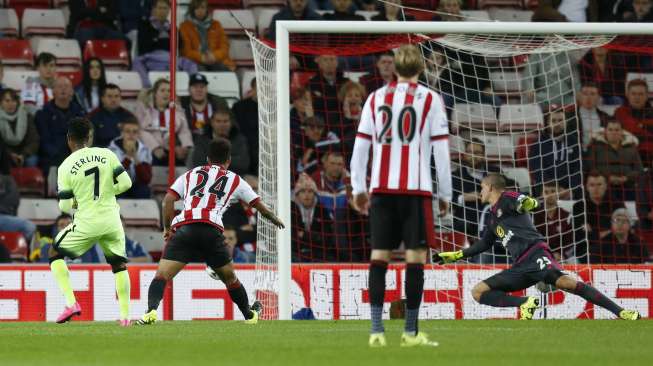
[408, 61]
[349, 86]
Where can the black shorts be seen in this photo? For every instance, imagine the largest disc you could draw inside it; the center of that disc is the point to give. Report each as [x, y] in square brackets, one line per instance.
[538, 265]
[198, 243]
[397, 218]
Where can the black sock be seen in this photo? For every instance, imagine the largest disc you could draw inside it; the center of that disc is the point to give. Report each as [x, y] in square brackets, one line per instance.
[414, 289]
[155, 293]
[239, 297]
[500, 299]
[376, 285]
[594, 296]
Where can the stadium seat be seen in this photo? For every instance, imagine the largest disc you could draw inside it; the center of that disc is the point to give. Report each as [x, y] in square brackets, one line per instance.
[497, 146]
[181, 80]
[75, 76]
[8, 23]
[521, 150]
[354, 75]
[366, 14]
[66, 51]
[16, 53]
[506, 82]
[520, 117]
[252, 3]
[114, 53]
[15, 79]
[480, 116]
[128, 81]
[263, 19]
[448, 241]
[231, 25]
[140, 212]
[41, 211]
[510, 15]
[224, 84]
[476, 15]
[15, 243]
[240, 51]
[519, 175]
[516, 4]
[45, 22]
[638, 75]
[224, 4]
[52, 182]
[21, 5]
[150, 240]
[246, 76]
[30, 181]
[159, 181]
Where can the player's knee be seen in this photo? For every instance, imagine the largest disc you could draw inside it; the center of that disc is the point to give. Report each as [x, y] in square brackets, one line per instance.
[227, 276]
[118, 267]
[566, 283]
[163, 275]
[478, 291]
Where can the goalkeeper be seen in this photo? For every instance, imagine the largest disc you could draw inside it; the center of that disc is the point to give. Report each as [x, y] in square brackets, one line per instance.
[510, 223]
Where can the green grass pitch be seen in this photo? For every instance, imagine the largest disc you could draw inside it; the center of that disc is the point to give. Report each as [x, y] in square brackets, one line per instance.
[312, 343]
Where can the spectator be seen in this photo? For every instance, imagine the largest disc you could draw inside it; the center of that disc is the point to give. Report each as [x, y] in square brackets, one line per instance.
[52, 124]
[547, 11]
[2, 76]
[342, 10]
[333, 186]
[154, 44]
[93, 20]
[135, 157]
[391, 10]
[551, 78]
[223, 126]
[17, 130]
[153, 113]
[614, 154]
[238, 253]
[607, 70]
[108, 116]
[644, 200]
[316, 139]
[384, 72]
[311, 223]
[295, 10]
[554, 223]
[246, 114]
[93, 81]
[351, 98]
[302, 108]
[38, 91]
[131, 12]
[579, 11]
[637, 118]
[448, 11]
[325, 85]
[199, 105]
[94, 255]
[203, 39]
[134, 250]
[591, 118]
[592, 215]
[9, 199]
[620, 245]
[555, 157]
[638, 11]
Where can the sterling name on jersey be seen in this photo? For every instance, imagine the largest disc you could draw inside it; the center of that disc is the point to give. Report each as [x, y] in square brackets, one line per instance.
[402, 122]
[207, 192]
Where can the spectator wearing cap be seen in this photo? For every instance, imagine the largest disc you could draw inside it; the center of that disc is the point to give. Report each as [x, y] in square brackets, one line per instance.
[316, 140]
[246, 114]
[108, 116]
[312, 224]
[203, 39]
[199, 105]
[621, 245]
[135, 157]
[222, 126]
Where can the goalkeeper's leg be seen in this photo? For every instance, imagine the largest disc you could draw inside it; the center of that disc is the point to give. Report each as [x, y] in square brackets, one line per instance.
[591, 294]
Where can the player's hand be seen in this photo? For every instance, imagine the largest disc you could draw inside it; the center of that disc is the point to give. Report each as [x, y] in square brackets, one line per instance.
[527, 204]
[277, 222]
[450, 257]
[361, 203]
[167, 234]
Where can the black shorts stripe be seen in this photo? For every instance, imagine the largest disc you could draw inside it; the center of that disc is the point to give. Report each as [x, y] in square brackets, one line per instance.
[56, 244]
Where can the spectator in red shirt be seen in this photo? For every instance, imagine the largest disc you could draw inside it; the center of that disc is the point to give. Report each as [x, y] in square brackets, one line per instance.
[608, 70]
[637, 117]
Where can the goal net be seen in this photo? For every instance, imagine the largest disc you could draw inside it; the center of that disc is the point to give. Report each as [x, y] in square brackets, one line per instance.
[511, 101]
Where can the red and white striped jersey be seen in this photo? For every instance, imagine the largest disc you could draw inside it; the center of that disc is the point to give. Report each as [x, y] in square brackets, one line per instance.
[207, 192]
[402, 122]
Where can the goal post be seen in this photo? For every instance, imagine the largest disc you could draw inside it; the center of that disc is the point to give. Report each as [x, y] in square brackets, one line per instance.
[561, 37]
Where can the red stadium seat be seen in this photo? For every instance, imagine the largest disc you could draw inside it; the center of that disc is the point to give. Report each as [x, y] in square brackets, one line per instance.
[30, 181]
[75, 76]
[16, 52]
[224, 4]
[421, 4]
[15, 243]
[253, 3]
[113, 53]
[448, 241]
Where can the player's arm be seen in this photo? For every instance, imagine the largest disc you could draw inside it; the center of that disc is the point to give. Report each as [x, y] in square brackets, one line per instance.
[519, 203]
[360, 156]
[478, 247]
[440, 147]
[267, 213]
[168, 210]
[245, 193]
[65, 192]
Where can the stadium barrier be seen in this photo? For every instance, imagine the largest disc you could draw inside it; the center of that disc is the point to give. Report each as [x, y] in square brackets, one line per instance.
[29, 293]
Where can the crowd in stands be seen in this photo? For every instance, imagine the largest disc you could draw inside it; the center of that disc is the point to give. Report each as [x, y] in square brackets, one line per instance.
[600, 160]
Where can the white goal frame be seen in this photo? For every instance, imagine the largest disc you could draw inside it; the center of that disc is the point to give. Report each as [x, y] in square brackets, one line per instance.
[283, 30]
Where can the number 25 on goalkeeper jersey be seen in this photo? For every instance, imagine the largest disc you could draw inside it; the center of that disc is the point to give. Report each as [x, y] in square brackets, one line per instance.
[402, 122]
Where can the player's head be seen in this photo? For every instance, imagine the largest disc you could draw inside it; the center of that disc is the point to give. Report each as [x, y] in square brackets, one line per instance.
[220, 152]
[80, 133]
[491, 187]
[408, 61]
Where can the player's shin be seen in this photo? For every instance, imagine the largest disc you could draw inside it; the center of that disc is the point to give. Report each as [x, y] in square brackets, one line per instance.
[377, 293]
[155, 293]
[594, 296]
[414, 289]
[239, 297]
[62, 276]
[500, 299]
[123, 292]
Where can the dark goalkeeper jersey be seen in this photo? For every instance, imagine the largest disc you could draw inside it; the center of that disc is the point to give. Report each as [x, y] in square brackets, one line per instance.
[514, 230]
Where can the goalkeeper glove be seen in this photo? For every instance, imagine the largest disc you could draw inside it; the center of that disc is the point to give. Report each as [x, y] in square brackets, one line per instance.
[450, 257]
[527, 204]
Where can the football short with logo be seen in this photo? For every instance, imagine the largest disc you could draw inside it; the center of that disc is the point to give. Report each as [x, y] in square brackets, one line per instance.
[401, 218]
[535, 265]
[197, 242]
[78, 237]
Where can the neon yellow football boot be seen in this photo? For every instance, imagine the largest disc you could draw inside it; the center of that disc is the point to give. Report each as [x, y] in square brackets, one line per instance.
[527, 309]
[147, 319]
[629, 315]
[420, 339]
[256, 309]
[377, 340]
